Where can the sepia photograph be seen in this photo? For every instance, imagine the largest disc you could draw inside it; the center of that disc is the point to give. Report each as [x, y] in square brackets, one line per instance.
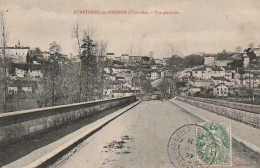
[129, 84]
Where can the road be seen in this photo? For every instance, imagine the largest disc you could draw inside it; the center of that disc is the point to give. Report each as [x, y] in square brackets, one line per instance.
[138, 138]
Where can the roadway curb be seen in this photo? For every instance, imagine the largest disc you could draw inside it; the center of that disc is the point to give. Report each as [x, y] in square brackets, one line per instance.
[47, 157]
[249, 147]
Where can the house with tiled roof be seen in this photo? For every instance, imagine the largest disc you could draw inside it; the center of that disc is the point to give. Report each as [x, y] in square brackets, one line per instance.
[217, 71]
[124, 57]
[223, 62]
[110, 56]
[201, 72]
[135, 59]
[251, 78]
[165, 61]
[120, 69]
[221, 90]
[221, 79]
[232, 75]
[209, 60]
[155, 75]
[202, 83]
[158, 61]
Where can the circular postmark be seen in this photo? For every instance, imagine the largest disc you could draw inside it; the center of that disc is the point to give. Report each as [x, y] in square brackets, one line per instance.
[188, 143]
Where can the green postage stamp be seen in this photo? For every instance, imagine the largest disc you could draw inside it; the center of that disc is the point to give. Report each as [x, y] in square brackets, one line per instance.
[213, 139]
[200, 145]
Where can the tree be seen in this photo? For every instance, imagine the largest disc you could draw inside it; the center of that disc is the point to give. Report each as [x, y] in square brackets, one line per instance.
[131, 49]
[65, 84]
[51, 85]
[151, 54]
[36, 51]
[76, 34]
[89, 66]
[238, 49]
[55, 48]
[100, 52]
[176, 64]
[251, 45]
[221, 55]
[146, 86]
[164, 87]
[4, 44]
[194, 60]
[55, 58]
[251, 54]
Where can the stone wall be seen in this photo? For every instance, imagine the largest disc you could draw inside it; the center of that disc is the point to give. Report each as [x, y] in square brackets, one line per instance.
[239, 106]
[234, 111]
[14, 125]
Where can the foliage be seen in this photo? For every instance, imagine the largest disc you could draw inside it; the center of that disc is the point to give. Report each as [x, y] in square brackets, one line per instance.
[176, 64]
[250, 54]
[146, 86]
[36, 51]
[194, 60]
[50, 88]
[164, 86]
[88, 69]
[55, 48]
[222, 55]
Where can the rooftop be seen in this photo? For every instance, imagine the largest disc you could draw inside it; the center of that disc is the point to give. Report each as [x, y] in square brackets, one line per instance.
[222, 78]
[123, 91]
[216, 68]
[16, 47]
[220, 84]
[200, 69]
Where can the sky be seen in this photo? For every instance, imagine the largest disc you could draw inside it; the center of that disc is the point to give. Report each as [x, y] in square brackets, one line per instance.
[200, 25]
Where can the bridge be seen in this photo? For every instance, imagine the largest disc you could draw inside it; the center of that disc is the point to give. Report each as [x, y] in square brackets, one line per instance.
[126, 133]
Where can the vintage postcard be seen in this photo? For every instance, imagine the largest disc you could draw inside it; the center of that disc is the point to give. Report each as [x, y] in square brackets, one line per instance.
[130, 83]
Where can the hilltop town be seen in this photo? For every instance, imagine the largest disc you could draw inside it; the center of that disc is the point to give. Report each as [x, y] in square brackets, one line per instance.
[234, 75]
[31, 73]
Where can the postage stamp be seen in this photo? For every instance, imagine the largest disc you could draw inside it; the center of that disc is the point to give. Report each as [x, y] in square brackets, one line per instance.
[201, 145]
[182, 147]
[221, 132]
